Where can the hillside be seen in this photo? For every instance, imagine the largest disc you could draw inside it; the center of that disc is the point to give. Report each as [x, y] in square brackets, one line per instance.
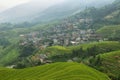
[23, 55]
[47, 12]
[23, 12]
[56, 71]
[101, 47]
[109, 64]
[56, 42]
[111, 61]
[8, 55]
[79, 53]
[110, 32]
[98, 17]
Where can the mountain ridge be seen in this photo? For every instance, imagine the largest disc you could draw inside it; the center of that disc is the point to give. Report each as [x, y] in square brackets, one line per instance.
[24, 12]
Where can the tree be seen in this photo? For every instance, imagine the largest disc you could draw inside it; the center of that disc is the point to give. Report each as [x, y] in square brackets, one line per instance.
[27, 49]
[4, 42]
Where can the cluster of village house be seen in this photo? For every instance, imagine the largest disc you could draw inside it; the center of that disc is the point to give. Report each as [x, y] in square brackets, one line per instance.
[62, 34]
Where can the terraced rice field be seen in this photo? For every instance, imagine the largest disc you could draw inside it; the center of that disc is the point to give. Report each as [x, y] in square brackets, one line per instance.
[55, 71]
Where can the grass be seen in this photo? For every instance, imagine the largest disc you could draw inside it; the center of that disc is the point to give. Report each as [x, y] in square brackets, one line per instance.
[102, 47]
[56, 71]
[111, 63]
[109, 31]
[56, 50]
[63, 54]
[8, 55]
[104, 44]
[112, 45]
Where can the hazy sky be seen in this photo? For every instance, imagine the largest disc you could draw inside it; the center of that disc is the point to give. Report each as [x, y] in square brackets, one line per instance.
[4, 4]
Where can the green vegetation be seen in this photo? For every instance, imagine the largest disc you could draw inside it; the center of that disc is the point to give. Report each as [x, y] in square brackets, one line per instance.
[79, 53]
[56, 71]
[103, 56]
[108, 63]
[110, 32]
[57, 50]
[111, 61]
[57, 53]
[8, 55]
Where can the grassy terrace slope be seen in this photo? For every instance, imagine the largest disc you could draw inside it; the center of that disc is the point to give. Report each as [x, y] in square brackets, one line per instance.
[62, 54]
[56, 71]
[8, 55]
[111, 63]
[108, 63]
[113, 45]
[110, 31]
[101, 47]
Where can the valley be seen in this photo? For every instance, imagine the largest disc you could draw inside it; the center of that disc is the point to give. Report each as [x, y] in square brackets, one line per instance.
[61, 42]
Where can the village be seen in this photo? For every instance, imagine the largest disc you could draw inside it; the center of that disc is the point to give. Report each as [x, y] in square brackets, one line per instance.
[64, 34]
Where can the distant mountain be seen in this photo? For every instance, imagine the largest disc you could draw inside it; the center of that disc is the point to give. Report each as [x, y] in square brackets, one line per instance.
[34, 11]
[99, 17]
[69, 7]
[23, 12]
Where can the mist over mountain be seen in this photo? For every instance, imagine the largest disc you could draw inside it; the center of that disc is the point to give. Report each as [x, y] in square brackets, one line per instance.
[24, 11]
[69, 7]
[41, 11]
